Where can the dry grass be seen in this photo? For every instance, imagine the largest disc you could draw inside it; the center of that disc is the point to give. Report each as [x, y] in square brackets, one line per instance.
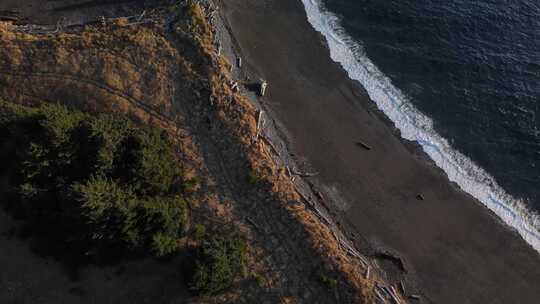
[242, 124]
[140, 72]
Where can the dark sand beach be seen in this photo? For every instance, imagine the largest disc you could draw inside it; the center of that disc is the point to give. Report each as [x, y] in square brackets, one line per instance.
[453, 249]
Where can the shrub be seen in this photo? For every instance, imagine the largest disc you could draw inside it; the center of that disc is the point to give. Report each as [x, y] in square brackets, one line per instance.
[327, 280]
[220, 261]
[259, 279]
[200, 231]
[253, 179]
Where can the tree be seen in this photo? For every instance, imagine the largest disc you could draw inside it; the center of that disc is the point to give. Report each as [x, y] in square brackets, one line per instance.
[99, 181]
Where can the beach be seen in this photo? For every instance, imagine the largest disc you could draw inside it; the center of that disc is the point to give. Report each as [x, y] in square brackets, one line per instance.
[392, 199]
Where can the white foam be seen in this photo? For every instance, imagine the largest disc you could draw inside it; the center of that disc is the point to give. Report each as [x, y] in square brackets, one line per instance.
[416, 126]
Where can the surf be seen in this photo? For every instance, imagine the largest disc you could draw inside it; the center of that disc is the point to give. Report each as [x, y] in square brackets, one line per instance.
[415, 126]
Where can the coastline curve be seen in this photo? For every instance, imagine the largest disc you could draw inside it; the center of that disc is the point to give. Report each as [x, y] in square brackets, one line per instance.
[415, 126]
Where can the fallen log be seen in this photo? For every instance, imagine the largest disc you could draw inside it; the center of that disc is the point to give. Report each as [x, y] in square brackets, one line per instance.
[259, 119]
[363, 145]
[380, 296]
[9, 18]
[394, 295]
[305, 174]
[271, 145]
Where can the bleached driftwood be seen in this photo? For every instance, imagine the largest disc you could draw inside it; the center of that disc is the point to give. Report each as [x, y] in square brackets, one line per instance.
[305, 174]
[259, 119]
[338, 240]
[264, 85]
[271, 145]
[380, 296]
[394, 295]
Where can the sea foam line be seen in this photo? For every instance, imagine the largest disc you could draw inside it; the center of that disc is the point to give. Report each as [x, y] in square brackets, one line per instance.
[415, 126]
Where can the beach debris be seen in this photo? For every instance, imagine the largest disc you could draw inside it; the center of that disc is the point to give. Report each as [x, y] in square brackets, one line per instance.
[304, 174]
[263, 87]
[239, 61]
[103, 21]
[9, 15]
[319, 195]
[271, 145]
[234, 86]
[219, 49]
[368, 272]
[363, 145]
[289, 171]
[141, 16]
[414, 297]
[259, 122]
[402, 286]
[380, 296]
[394, 294]
[420, 197]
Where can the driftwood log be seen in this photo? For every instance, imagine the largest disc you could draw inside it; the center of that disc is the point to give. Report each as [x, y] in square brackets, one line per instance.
[363, 145]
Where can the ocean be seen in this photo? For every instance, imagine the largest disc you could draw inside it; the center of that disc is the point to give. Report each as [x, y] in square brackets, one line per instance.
[462, 79]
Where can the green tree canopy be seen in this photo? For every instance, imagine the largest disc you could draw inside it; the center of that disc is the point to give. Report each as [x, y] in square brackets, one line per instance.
[99, 181]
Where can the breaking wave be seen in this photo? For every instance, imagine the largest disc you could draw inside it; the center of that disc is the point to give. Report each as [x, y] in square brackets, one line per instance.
[415, 126]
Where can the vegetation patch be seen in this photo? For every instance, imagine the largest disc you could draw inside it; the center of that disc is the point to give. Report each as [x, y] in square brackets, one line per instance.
[219, 262]
[96, 183]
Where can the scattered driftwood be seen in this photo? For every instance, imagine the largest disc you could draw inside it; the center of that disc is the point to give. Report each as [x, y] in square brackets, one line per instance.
[9, 18]
[380, 296]
[269, 142]
[414, 297]
[363, 145]
[420, 197]
[234, 86]
[239, 62]
[305, 174]
[319, 195]
[9, 15]
[368, 272]
[338, 240]
[141, 16]
[394, 295]
[259, 121]
[263, 87]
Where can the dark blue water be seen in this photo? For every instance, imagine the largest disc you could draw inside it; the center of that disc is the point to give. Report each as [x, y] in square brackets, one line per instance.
[473, 67]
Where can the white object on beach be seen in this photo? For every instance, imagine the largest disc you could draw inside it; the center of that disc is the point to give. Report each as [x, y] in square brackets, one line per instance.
[264, 85]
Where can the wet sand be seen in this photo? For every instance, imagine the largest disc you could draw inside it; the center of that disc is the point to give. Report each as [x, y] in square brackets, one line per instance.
[454, 250]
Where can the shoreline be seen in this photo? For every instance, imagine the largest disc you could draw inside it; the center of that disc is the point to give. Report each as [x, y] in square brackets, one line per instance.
[273, 133]
[371, 243]
[416, 127]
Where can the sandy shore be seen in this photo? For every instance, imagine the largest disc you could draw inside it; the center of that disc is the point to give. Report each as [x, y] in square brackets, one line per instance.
[453, 249]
